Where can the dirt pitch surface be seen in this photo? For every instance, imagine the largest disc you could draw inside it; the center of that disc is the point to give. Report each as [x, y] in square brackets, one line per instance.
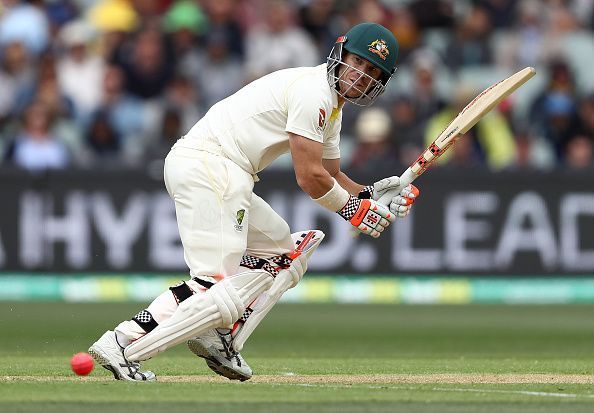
[350, 380]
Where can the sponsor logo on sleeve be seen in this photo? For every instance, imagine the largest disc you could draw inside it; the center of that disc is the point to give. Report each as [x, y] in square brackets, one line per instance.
[322, 120]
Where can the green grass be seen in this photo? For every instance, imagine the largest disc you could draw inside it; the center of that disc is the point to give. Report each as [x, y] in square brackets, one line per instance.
[37, 340]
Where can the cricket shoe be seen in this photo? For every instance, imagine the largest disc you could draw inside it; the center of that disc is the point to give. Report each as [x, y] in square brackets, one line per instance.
[110, 355]
[217, 349]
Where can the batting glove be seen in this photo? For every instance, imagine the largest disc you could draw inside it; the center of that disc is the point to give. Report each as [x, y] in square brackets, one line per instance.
[367, 216]
[401, 204]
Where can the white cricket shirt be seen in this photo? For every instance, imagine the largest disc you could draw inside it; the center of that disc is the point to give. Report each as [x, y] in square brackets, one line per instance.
[252, 125]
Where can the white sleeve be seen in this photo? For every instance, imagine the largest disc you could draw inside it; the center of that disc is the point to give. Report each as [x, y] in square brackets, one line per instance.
[331, 144]
[307, 110]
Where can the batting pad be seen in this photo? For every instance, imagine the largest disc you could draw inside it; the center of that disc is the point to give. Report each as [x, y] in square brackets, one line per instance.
[220, 306]
[306, 243]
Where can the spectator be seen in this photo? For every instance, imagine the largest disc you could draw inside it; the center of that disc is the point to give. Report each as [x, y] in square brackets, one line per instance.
[470, 45]
[501, 12]
[182, 97]
[169, 132]
[147, 65]
[104, 141]
[424, 90]
[560, 121]
[60, 12]
[432, 13]
[60, 107]
[316, 17]
[177, 57]
[523, 46]
[404, 27]
[17, 79]
[25, 22]
[365, 10]
[373, 150]
[125, 113]
[77, 66]
[115, 20]
[533, 152]
[113, 16]
[372, 11]
[278, 43]
[539, 36]
[150, 10]
[222, 18]
[580, 153]
[221, 72]
[561, 20]
[48, 91]
[407, 131]
[35, 148]
[553, 113]
[185, 22]
[586, 115]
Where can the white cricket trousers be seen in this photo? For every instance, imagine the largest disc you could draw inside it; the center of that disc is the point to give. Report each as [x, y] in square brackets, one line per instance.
[218, 216]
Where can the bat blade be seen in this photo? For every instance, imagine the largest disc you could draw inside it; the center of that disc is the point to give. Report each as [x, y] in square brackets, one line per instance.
[482, 104]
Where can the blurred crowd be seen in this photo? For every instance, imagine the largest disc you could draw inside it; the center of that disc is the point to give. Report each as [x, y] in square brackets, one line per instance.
[110, 83]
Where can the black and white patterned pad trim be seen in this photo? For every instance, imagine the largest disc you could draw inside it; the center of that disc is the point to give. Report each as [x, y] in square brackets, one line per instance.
[256, 263]
[246, 314]
[282, 261]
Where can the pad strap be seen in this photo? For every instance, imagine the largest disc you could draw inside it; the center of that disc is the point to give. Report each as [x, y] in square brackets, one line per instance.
[146, 321]
[272, 265]
[181, 292]
[204, 283]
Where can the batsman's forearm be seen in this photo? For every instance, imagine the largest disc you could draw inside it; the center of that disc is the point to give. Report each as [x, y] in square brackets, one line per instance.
[347, 183]
[315, 185]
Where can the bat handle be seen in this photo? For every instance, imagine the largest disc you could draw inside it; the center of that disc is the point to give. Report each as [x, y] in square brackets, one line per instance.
[406, 178]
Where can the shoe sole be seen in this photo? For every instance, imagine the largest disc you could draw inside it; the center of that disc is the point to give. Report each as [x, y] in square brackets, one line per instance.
[212, 361]
[100, 358]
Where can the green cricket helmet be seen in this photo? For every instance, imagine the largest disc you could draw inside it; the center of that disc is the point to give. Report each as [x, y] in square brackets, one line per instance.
[372, 42]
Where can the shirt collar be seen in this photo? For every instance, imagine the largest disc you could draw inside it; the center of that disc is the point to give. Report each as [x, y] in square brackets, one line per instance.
[332, 90]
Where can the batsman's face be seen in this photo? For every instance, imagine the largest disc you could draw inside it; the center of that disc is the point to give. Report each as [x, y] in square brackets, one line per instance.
[357, 76]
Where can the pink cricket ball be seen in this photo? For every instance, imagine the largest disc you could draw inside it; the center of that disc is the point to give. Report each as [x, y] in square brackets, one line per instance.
[82, 364]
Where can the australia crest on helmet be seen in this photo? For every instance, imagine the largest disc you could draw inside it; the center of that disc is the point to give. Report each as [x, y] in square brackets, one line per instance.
[380, 48]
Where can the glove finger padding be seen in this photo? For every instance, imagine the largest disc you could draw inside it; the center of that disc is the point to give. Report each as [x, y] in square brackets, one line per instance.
[402, 203]
[368, 216]
[410, 191]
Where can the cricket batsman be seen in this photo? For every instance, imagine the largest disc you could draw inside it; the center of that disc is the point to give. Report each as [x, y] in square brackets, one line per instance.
[240, 252]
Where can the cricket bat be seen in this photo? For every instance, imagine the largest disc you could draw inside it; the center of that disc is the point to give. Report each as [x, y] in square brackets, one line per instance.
[466, 119]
